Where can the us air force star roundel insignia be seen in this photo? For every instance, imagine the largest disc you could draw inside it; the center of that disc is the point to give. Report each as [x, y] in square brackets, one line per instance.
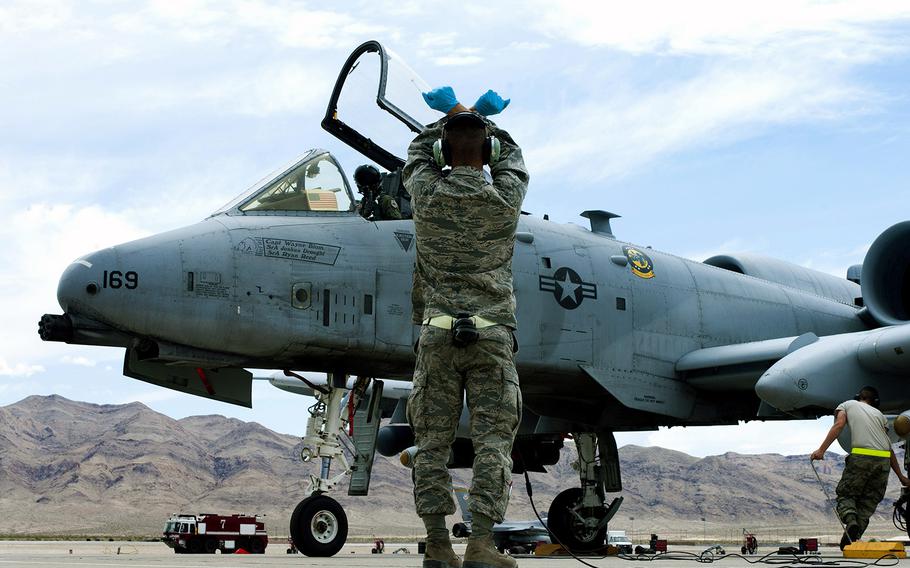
[639, 262]
[568, 288]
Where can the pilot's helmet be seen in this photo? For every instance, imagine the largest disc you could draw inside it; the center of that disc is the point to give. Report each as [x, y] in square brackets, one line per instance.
[367, 176]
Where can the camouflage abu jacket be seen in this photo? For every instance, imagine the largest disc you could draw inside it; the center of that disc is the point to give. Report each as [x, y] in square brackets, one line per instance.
[465, 230]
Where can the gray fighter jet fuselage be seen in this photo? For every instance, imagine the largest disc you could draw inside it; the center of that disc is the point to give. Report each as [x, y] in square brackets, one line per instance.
[331, 292]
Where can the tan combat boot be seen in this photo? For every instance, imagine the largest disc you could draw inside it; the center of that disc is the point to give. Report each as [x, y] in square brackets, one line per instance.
[482, 554]
[439, 554]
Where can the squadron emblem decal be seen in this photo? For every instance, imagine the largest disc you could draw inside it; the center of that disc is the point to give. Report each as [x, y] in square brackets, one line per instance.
[404, 240]
[639, 262]
[568, 288]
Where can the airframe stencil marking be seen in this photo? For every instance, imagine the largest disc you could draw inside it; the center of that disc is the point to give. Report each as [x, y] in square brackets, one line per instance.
[303, 251]
[208, 285]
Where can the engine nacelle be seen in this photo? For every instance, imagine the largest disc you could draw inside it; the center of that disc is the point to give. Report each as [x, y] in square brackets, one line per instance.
[886, 276]
[788, 274]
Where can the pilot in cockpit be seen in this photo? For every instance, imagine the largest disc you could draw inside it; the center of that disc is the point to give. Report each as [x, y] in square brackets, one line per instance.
[375, 205]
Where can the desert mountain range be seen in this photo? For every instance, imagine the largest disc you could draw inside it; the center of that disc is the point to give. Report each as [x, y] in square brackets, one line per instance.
[76, 468]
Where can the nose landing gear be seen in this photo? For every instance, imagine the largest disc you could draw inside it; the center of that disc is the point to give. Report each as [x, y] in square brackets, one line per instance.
[578, 516]
[319, 525]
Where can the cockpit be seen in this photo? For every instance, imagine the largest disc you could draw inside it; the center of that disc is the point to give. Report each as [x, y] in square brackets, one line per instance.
[314, 183]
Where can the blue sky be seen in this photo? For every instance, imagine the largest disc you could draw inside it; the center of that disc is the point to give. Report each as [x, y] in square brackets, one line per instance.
[771, 127]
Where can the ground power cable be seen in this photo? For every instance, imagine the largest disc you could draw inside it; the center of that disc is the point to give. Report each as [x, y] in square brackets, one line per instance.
[530, 491]
[830, 502]
[772, 558]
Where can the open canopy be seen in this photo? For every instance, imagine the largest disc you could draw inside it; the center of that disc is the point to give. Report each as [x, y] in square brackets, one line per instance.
[361, 121]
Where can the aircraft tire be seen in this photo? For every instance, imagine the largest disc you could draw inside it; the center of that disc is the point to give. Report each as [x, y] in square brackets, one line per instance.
[319, 526]
[565, 528]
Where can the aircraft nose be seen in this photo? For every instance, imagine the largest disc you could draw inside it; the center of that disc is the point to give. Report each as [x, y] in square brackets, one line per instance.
[80, 283]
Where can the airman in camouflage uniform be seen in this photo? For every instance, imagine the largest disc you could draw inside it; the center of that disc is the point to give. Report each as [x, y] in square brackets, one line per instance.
[865, 479]
[465, 231]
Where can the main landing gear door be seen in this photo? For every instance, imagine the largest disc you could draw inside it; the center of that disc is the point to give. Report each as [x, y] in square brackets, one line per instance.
[362, 122]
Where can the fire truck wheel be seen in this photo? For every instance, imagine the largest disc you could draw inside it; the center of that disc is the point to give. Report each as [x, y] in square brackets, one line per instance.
[319, 526]
[257, 546]
[211, 545]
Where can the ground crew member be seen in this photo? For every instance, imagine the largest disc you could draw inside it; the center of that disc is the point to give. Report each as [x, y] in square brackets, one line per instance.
[463, 298]
[865, 479]
[374, 205]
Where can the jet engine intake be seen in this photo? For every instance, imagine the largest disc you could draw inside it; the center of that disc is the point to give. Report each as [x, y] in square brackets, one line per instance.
[886, 276]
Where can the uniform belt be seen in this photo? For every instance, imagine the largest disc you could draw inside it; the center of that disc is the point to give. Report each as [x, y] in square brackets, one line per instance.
[868, 452]
[445, 322]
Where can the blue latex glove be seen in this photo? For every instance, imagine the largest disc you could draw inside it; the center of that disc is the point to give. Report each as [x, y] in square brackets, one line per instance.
[441, 99]
[490, 103]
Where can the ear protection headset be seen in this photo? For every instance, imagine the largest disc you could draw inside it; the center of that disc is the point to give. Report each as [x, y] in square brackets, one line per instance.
[442, 150]
[875, 402]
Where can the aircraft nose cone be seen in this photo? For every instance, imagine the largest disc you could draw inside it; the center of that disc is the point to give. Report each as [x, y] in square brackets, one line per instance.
[79, 283]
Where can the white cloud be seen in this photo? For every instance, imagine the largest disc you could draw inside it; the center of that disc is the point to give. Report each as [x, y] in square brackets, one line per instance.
[730, 71]
[529, 45]
[628, 129]
[18, 369]
[717, 27]
[79, 361]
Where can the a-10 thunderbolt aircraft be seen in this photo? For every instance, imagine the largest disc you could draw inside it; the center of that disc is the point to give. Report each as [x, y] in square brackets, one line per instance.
[613, 336]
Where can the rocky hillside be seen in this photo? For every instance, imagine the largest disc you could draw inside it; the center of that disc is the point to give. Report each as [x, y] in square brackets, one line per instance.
[77, 468]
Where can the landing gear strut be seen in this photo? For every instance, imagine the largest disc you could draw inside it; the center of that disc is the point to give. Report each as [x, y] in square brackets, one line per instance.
[319, 525]
[578, 517]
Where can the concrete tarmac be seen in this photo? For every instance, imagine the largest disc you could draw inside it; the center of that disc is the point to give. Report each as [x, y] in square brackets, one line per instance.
[33, 554]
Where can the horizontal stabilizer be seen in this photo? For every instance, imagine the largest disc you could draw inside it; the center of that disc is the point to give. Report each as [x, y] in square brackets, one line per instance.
[646, 392]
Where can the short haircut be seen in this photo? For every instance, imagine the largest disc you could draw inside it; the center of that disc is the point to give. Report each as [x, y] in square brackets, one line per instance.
[869, 394]
[466, 139]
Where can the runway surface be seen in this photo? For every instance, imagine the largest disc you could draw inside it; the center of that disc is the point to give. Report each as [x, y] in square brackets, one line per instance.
[157, 555]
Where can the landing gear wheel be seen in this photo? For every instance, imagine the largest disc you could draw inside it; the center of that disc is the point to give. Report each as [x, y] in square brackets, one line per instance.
[576, 534]
[319, 526]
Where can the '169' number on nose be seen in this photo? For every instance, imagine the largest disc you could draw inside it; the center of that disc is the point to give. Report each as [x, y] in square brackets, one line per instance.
[116, 279]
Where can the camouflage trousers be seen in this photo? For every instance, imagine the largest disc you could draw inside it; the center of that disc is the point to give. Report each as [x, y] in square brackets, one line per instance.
[862, 487]
[485, 372]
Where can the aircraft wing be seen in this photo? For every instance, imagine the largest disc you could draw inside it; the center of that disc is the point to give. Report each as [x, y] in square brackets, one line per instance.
[732, 367]
[805, 372]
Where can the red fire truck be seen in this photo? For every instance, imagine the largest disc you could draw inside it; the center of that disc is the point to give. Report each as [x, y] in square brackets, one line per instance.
[206, 533]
